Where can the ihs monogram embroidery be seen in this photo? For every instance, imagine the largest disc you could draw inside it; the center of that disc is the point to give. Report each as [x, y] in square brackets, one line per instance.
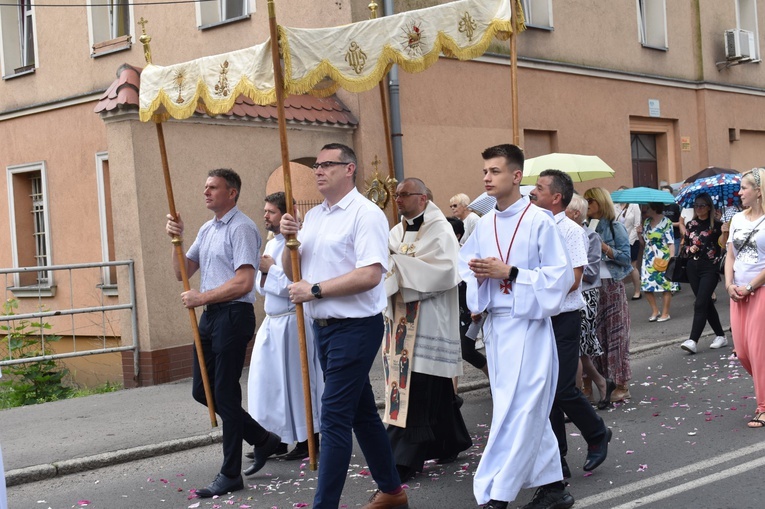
[356, 57]
[221, 88]
[413, 39]
[407, 249]
[468, 26]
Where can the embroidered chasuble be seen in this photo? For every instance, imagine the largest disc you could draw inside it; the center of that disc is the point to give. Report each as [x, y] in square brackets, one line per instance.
[423, 307]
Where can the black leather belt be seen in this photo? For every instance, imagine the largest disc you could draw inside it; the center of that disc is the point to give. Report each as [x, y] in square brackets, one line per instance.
[220, 305]
[323, 322]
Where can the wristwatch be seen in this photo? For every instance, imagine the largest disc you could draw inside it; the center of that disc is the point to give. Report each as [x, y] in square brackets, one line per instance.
[749, 288]
[513, 274]
[316, 290]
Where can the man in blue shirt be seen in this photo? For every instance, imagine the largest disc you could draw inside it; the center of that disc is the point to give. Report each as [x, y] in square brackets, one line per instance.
[226, 252]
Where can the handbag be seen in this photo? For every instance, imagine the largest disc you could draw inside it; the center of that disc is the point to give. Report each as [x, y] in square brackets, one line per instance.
[678, 273]
[721, 263]
[661, 264]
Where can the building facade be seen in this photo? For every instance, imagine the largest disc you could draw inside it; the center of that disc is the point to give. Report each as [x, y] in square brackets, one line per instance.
[657, 89]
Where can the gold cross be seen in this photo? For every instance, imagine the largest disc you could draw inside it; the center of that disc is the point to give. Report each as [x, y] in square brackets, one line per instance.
[143, 22]
[376, 163]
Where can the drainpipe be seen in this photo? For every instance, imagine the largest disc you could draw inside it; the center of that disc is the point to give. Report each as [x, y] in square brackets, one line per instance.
[395, 109]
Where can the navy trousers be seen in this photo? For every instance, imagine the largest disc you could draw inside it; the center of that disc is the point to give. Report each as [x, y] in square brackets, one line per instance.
[347, 349]
[225, 331]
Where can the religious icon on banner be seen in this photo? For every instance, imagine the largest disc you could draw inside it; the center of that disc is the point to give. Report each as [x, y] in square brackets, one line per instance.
[468, 26]
[397, 361]
[179, 78]
[221, 88]
[413, 39]
[355, 57]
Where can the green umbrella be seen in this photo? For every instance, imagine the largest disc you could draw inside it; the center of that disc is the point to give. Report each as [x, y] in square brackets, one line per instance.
[580, 167]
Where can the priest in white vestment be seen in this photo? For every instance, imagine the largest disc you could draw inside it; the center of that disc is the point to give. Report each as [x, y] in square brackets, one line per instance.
[516, 268]
[423, 268]
[275, 386]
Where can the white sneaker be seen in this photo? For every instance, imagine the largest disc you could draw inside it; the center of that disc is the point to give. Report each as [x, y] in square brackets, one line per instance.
[689, 345]
[719, 342]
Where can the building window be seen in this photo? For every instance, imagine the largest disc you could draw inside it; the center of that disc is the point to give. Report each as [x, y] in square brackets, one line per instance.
[652, 23]
[538, 13]
[110, 26]
[746, 19]
[18, 37]
[30, 229]
[109, 274]
[221, 11]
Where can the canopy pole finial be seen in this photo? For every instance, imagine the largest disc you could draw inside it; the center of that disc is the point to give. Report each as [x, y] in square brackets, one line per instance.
[145, 40]
[373, 9]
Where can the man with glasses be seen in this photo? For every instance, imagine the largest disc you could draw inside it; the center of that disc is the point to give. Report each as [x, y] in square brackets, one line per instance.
[344, 256]
[459, 205]
[422, 285]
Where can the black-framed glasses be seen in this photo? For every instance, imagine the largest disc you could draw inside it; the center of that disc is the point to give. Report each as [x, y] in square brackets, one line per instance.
[326, 164]
[700, 206]
[454, 205]
[406, 195]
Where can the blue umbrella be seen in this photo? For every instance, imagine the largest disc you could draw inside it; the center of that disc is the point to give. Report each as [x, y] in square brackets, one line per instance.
[723, 189]
[642, 196]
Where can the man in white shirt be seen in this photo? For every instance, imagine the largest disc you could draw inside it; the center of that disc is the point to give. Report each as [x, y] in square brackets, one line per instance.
[344, 256]
[553, 191]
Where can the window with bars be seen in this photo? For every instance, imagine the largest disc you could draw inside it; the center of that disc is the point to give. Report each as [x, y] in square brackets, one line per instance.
[219, 11]
[18, 37]
[30, 229]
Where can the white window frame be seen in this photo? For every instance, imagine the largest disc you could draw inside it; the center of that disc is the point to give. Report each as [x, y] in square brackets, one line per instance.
[108, 286]
[104, 27]
[17, 23]
[746, 19]
[652, 23]
[538, 13]
[210, 14]
[48, 288]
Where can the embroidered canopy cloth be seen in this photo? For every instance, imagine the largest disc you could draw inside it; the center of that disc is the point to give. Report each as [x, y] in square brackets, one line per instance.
[319, 61]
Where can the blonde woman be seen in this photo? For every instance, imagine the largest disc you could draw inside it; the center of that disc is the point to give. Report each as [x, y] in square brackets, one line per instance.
[613, 312]
[744, 275]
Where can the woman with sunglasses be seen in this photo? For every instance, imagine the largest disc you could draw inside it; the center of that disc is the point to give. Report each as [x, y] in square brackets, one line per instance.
[744, 275]
[701, 248]
[613, 312]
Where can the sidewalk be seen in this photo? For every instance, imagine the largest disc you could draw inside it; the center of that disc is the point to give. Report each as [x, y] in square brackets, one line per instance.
[64, 437]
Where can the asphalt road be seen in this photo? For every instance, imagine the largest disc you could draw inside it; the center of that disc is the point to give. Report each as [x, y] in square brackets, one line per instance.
[681, 442]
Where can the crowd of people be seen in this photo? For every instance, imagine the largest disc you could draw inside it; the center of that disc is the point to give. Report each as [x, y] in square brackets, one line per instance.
[541, 277]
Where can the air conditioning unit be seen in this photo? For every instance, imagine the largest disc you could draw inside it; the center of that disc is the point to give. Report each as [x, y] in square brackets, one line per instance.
[739, 44]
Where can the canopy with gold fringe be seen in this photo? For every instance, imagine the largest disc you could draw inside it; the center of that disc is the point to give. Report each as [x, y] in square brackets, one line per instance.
[354, 57]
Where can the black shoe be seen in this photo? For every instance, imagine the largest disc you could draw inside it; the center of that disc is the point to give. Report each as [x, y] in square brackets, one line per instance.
[263, 452]
[299, 452]
[596, 453]
[564, 467]
[458, 401]
[447, 459]
[606, 401]
[495, 504]
[221, 485]
[547, 497]
[406, 473]
[282, 449]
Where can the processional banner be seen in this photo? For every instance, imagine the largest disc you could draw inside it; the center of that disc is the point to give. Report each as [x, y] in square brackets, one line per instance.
[319, 61]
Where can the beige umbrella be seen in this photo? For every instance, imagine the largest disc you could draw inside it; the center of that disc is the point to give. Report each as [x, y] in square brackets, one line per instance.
[580, 167]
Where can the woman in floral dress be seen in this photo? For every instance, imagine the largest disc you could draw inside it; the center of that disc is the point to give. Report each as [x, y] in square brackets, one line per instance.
[658, 237]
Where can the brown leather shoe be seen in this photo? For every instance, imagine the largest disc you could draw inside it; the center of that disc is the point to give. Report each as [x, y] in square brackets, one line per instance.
[382, 500]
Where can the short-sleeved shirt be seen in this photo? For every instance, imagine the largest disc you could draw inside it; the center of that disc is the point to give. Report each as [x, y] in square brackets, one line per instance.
[575, 239]
[750, 257]
[222, 246]
[335, 240]
[470, 221]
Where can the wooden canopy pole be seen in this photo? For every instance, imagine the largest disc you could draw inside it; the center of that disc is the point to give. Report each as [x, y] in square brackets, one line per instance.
[386, 125]
[292, 242]
[514, 70]
[178, 243]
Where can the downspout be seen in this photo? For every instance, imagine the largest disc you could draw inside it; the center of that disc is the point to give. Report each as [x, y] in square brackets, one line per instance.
[395, 109]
